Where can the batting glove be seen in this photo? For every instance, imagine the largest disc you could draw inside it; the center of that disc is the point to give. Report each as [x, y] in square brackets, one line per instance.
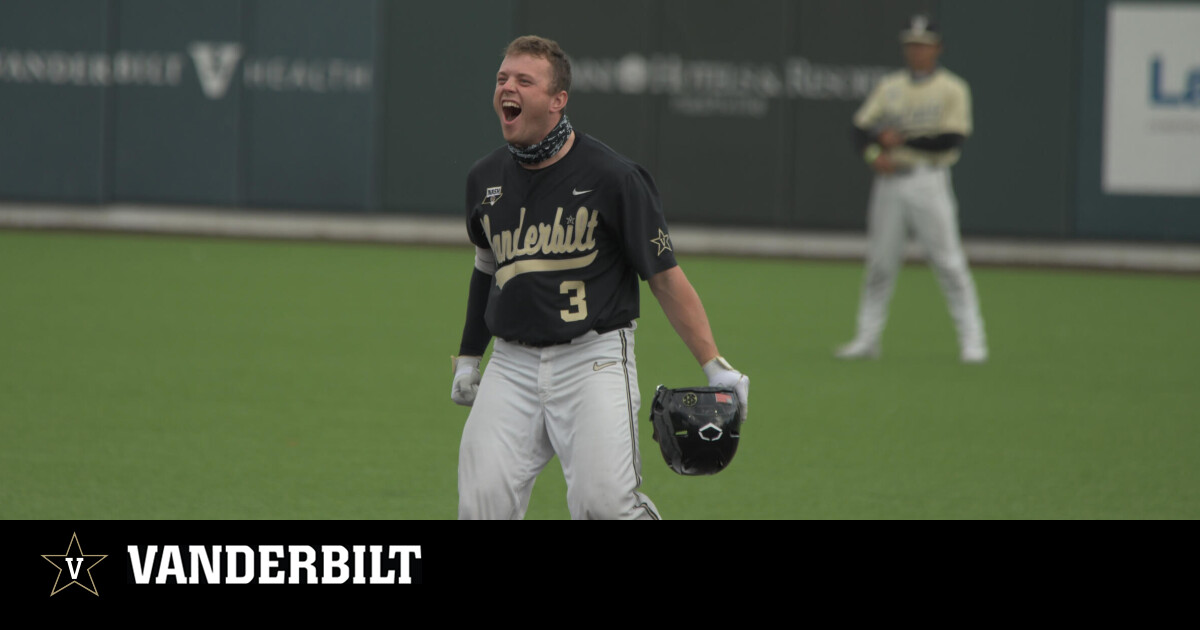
[466, 380]
[721, 374]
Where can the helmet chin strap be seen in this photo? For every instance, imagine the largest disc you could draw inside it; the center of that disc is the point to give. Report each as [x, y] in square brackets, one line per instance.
[547, 148]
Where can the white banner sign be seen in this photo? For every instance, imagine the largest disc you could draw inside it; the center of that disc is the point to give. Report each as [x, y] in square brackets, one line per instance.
[1152, 100]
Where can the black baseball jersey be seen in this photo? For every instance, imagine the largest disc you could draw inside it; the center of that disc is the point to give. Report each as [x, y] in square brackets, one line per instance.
[570, 241]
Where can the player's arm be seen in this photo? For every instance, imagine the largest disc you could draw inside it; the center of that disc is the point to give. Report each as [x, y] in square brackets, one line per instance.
[648, 250]
[874, 147]
[873, 140]
[475, 335]
[884, 138]
[952, 129]
[683, 308]
[921, 149]
[937, 143]
[947, 136]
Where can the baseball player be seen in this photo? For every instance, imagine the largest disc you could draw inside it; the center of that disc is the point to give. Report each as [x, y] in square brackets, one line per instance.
[563, 227]
[910, 131]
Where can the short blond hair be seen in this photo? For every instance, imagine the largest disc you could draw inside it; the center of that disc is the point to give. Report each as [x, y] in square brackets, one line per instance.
[548, 49]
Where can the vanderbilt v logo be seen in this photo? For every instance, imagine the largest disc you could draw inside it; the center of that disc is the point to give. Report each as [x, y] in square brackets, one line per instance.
[75, 562]
[215, 65]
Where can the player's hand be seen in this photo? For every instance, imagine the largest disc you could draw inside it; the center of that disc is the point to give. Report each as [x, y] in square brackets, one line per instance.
[466, 380]
[890, 138]
[721, 374]
[884, 164]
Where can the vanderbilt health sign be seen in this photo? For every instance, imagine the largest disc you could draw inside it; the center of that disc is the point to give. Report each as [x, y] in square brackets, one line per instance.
[262, 102]
[1152, 100]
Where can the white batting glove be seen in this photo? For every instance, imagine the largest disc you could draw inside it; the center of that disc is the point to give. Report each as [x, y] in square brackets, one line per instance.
[466, 380]
[721, 374]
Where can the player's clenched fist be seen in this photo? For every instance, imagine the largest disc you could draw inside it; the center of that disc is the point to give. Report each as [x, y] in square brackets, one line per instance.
[466, 380]
[721, 374]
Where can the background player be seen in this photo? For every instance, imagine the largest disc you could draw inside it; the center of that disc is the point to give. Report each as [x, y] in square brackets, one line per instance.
[910, 130]
[563, 227]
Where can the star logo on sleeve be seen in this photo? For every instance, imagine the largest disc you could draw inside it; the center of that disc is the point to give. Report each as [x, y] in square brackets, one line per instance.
[75, 565]
[663, 241]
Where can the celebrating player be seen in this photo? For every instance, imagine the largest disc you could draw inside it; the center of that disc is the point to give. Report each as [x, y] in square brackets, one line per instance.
[910, 131]
[563, 227]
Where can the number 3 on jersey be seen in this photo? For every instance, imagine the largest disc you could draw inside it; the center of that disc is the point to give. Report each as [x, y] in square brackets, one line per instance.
[578, 294]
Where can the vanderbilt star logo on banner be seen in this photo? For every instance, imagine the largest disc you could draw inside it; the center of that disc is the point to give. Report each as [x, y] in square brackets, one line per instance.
[75, 564]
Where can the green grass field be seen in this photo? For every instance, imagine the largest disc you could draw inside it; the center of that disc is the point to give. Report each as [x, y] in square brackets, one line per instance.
[189, 378]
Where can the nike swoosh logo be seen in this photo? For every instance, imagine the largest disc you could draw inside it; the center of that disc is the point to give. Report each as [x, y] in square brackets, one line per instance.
[577, 192]
[597, 366]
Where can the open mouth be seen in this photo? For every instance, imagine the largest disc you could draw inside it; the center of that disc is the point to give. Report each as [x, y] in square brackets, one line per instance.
[511, 110]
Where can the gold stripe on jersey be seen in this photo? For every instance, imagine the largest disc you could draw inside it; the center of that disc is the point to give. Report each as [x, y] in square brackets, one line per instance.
[511, 270]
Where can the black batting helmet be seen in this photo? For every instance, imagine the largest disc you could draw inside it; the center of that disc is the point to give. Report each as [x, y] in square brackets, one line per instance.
[697, 428]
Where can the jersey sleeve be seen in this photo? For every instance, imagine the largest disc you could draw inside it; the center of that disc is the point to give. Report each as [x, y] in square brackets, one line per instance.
[957, 115]
[644, 232]
[474, 227]
[957, 111]
[871, 112]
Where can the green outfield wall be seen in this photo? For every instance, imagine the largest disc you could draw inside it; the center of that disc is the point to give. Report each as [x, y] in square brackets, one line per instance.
[54, 141]
[440, 66]
[1084, 110]
[214, 102]
[1020, 59]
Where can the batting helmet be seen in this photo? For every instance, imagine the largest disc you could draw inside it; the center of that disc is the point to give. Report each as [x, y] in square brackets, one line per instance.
[697, 428]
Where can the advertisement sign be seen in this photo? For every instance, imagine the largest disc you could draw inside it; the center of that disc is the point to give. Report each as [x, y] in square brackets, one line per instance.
[225, 102]
[1152, 100]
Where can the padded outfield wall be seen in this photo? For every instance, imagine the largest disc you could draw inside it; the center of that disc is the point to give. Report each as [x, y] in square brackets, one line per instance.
[214, 102]
[741, 110]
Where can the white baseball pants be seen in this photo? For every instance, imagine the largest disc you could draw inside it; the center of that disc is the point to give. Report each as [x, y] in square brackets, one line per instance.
[578, 400]
[924, 201]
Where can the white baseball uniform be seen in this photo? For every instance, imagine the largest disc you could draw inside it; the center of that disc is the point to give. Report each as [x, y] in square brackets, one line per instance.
[918, 196]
